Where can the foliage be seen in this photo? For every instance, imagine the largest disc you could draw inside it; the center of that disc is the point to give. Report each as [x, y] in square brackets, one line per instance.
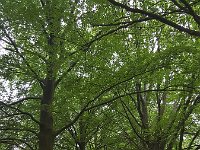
[99, 74]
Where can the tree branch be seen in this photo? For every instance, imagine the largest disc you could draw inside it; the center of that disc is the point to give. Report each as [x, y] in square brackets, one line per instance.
[13, 43]
[19, 129]
[10, 139]
[129, 119]
[101, 35]
[24, 99]
[21, 112]
[128, 94]
[191, 11]
[85, 108]
[72, 65]
[156, 17]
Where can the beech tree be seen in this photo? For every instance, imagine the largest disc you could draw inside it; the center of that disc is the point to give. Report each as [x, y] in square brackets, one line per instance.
[99, 74]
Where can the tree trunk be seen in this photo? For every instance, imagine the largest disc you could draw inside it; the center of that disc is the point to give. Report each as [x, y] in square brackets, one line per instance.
[82, 145]
[82, 128]
[46, 139]
[156, 146]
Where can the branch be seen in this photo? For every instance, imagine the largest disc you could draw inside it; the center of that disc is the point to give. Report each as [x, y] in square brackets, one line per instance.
[21, 112]
[111, 24]
[24, 99]
[71, 123]
[128, 109]
[42, 3]
[29, 51]
[191, 11]
[130, 122]
[21, 55]
[18, 129]
[85, 108]
[156, 17]
[128, 94]
[193, 139]
[178, 5]
[72, 65]
[99, 36]
[10, 139]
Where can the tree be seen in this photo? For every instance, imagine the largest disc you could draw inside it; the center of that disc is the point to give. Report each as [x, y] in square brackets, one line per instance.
[73, 67]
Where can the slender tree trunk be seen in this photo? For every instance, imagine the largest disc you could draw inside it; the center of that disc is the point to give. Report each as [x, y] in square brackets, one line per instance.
[46, 139]
[82, 130]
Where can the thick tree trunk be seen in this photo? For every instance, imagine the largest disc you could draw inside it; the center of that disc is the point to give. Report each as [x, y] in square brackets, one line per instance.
[46, 139]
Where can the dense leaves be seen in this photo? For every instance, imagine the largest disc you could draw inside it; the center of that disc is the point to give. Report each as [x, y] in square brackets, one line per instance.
[99, 75]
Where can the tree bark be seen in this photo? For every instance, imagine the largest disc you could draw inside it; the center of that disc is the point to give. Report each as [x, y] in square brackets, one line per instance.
[46, 138]
[82, 130]
[156, 146]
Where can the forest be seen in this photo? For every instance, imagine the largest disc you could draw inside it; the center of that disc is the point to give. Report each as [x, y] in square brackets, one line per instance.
[100, 74]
